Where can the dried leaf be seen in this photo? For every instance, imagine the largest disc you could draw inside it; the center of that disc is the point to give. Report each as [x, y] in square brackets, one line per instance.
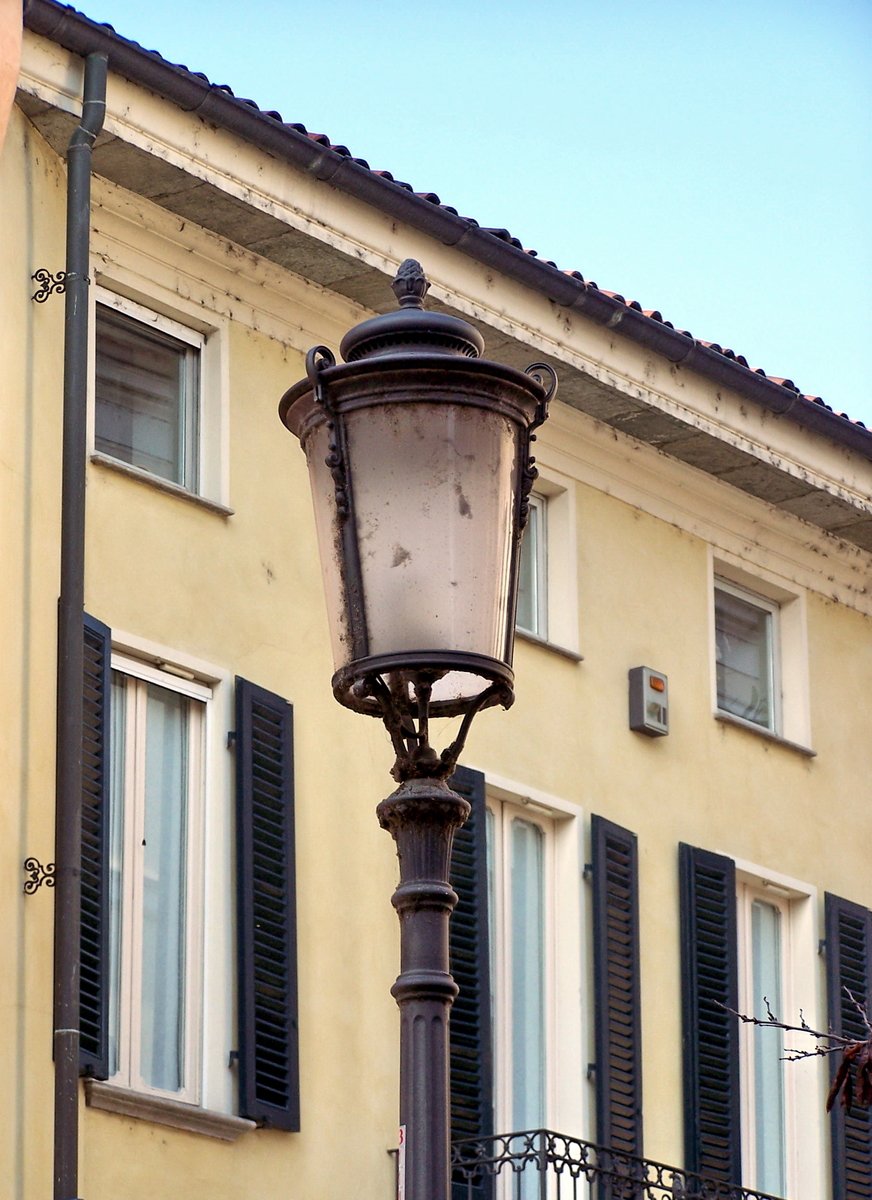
[842, 1081]
[863, 1081]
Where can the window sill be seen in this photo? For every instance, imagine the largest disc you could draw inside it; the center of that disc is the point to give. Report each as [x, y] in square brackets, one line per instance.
[163, 485]
[535, 640]
[728, 719]
[163, 1111]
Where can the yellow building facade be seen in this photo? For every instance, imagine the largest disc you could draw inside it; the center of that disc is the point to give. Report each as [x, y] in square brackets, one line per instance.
[691, 517]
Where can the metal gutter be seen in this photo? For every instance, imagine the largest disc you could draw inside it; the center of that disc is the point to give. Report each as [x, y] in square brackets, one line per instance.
[194, 93]
[68, 812]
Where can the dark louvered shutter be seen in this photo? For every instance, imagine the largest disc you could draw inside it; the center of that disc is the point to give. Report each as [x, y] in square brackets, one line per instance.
[849, 969]
[709, 977]
[617, 990]
[470, 1029]
[94, 939]
[266, 920]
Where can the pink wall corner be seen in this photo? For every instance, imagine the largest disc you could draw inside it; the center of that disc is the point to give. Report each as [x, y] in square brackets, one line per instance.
[10, 58]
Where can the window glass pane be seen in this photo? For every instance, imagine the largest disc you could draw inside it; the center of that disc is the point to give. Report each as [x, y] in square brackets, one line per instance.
[768, 1049]
[163, 902]
[118, 712]
[528, 581]
[528, 975]
[744, 658]
[146, 397]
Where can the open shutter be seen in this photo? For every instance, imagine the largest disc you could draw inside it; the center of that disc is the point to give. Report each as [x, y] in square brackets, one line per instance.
[470, 1027]
[266, 920]
[616, 984]
[849, 969]
[709, 978]
[94, 937]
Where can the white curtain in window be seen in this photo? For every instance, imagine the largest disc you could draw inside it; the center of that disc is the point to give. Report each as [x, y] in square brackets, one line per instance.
[768, 1049]
[146, 388]
[744, 658]
[528, 575]
[163, 922]
[117, 775]
[528, 975]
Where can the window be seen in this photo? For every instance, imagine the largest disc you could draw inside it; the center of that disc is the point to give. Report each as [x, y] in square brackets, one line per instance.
[159, 404]
[160, 1016]
[533, 573]
[155, 898]
[548, 567]
[749, 941]
[746, 648]
[147, 391]
[516, 1026]
[764, 987]
[501, 958]
[519, 882]
[759, 652]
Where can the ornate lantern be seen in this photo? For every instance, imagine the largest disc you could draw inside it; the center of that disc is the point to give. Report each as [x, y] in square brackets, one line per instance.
[420, 468]
[419, 462]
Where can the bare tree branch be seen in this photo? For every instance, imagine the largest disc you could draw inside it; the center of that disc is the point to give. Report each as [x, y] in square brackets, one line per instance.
[772, 1022]
[852, 1082]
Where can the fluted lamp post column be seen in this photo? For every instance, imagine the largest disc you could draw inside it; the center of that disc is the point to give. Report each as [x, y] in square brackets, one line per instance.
[420, 468]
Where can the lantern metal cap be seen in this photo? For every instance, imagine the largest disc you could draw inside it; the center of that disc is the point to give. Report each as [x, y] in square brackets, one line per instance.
[412, 330]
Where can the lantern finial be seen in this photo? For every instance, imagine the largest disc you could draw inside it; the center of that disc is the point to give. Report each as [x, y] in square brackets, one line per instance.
[410, 284]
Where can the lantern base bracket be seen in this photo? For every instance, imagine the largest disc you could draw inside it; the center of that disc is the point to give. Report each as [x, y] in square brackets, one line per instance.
[404, 701]
[408, 672]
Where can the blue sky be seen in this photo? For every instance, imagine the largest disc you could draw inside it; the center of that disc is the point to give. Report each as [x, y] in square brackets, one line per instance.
[711, 161]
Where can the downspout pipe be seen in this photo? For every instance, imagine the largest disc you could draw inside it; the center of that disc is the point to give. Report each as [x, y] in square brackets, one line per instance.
[68, 803]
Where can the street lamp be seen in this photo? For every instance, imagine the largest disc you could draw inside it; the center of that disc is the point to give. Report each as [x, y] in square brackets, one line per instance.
[420, 468]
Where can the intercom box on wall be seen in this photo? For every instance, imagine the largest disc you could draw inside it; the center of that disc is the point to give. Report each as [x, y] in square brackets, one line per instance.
[649, 702]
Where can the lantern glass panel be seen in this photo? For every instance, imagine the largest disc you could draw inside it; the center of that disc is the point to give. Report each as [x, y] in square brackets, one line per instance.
[433, 486]
[433, 499]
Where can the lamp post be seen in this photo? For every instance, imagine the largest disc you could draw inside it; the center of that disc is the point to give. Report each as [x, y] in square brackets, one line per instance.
[420, 467]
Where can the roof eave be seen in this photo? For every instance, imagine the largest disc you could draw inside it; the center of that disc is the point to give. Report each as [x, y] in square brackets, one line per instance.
[194, 93]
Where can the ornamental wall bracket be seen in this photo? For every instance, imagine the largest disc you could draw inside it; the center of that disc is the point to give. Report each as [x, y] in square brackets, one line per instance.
[49, 284]
[37, 875]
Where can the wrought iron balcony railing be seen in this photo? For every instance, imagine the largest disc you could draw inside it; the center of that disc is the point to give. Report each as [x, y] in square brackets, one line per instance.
[539, 1164]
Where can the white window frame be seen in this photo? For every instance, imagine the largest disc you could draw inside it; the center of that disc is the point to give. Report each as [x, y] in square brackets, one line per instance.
[156, 308]
[191, 464]
[804, 1081]
[539, 625]
[557, 562]
[773, 660]
[503, 813]
[567, 1097]
[129, 1071]
[787, 603]
[215, 993]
